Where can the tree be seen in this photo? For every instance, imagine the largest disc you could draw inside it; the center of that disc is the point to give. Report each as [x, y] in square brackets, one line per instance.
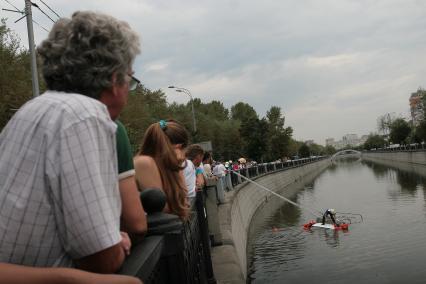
[254, 132]
[215, 109]
[316, 149]
[374, 141]
[293, 147]
[243, 112]
[329, 150]
[15, 74]
[399, 131]
[279, 137]
[384, 122]
[421, 131]
[304, 151]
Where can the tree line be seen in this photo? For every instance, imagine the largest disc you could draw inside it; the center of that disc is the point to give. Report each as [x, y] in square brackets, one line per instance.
[235, 132]
[397, 130]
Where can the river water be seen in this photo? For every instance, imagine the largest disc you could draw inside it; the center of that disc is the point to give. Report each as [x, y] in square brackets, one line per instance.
[389, 246]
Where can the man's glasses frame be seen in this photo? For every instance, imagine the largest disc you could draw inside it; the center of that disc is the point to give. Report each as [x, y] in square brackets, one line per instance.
[134, 82]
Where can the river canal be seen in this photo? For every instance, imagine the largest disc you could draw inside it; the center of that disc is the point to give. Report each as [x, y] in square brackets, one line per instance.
[389, 246]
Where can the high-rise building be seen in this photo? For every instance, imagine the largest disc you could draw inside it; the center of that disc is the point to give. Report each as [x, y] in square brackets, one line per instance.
[416, 106]
[350, 139]
[329, 142]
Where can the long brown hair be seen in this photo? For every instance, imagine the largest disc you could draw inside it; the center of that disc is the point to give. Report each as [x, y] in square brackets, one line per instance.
[158, 143]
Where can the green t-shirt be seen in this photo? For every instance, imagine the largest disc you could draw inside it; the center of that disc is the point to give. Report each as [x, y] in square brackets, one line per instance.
[124, 153]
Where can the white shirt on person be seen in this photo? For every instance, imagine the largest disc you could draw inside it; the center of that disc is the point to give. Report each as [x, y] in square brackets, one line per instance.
[207, 170]
[190, 178]
[219, 170]
[59, 197]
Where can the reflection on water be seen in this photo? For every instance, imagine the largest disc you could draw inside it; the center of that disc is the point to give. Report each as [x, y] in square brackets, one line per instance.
[408, 180]
[388, 247]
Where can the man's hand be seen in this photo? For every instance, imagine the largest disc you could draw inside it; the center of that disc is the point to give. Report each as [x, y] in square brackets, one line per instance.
[125, 243]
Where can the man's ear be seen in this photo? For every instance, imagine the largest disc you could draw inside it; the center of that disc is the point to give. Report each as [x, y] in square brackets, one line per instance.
[114, 83]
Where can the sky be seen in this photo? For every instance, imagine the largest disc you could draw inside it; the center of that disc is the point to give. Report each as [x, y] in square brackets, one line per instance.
[333, 66]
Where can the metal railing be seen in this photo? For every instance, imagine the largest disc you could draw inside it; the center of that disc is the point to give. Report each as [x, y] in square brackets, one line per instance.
[397, 147]
[173, 251]
[261, 169]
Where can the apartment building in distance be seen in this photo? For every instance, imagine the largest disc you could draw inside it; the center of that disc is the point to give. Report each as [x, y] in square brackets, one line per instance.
[416, 106]
[348, 140]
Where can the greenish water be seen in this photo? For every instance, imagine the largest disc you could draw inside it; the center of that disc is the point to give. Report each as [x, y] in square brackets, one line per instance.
[389, 246]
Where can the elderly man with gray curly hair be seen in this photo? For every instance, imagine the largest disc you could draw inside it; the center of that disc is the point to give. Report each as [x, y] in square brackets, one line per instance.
[59, 199]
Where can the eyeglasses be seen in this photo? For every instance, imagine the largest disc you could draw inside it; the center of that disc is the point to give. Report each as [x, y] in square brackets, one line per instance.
[134, 82]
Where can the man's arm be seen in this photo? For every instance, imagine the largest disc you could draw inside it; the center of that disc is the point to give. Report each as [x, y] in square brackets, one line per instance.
[87, 204]
[19, 274]
[105, 261]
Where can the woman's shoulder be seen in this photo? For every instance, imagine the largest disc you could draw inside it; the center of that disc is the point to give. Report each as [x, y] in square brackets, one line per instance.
[144, 161]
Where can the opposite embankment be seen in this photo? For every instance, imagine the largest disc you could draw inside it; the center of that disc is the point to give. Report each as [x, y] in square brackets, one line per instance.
[412, 157]
[236, 214]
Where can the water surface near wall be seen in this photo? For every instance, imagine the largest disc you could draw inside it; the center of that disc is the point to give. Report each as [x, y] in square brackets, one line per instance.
[388, 247]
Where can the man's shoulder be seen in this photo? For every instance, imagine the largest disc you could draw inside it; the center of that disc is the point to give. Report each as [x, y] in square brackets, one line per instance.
[69, 102]
[71, 108]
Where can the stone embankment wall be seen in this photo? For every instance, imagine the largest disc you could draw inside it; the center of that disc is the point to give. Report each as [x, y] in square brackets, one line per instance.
[245, 200]
[412, 157]
[413, 162]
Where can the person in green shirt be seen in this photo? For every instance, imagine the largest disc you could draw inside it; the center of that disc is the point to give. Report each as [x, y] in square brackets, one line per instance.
[133, 217]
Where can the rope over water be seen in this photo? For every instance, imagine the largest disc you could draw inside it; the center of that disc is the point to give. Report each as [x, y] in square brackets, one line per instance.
[313, 212]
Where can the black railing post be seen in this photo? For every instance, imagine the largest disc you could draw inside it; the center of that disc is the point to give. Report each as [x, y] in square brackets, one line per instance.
[204, 232]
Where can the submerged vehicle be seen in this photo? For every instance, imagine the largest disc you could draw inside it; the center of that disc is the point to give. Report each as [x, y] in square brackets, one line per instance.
[340, 226]
[343, 221]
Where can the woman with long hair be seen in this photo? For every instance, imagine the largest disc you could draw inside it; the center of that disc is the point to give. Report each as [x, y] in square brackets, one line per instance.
[160, 161]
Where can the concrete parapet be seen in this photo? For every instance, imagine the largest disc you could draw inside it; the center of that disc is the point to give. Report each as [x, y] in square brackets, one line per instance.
[413, 157]
[418, 168]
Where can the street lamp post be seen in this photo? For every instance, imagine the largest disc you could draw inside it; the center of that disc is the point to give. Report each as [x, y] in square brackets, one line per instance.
[186, 91]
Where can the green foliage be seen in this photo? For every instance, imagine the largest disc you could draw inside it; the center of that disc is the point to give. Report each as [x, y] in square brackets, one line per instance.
[399, 131]
[293, 148]
[304, 151]
[243, 112]
[278, 136]
[254, 132]
[329, 150]
[374, 141]
[421, 131]
[15, 74]
[317, 150]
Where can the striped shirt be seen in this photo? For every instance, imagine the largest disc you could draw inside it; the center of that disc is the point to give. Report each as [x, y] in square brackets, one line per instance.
[59, 197]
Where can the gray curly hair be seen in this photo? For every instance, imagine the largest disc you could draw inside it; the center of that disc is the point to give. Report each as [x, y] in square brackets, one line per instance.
[82, 53]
